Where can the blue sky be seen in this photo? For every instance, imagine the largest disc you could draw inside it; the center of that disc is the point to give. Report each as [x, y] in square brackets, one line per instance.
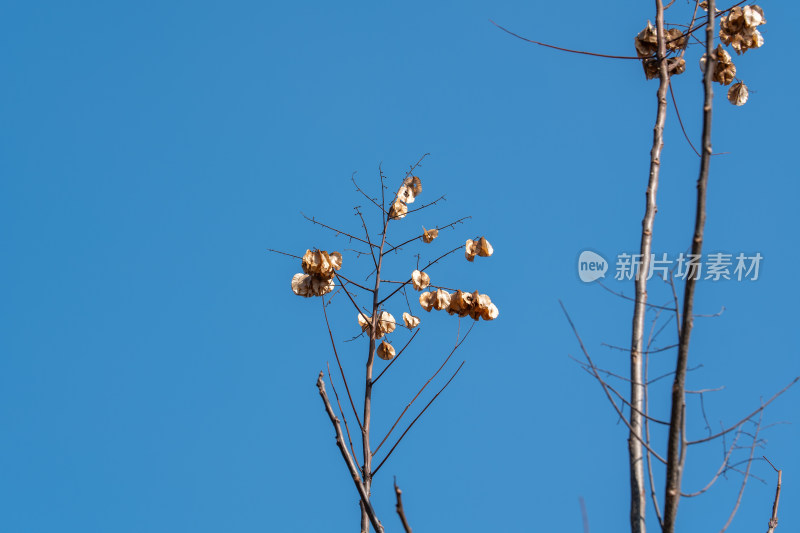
[157, 372]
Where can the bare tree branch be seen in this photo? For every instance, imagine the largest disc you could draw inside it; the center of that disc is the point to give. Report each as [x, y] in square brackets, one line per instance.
[676, 441]
[399, 507]
[362, 491]
[746, 475]
[418, 417]
[773, 521]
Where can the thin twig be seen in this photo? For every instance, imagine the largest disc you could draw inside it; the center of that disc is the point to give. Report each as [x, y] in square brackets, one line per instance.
[374, 381]
[562, 49]
[746, 475]
[773, 521]
[337, 231]
[341, 412]
[457, 345]
[362, 491]
[748, 417]
[417, 418]
[338, 362]
[603, 383]
[399, 507]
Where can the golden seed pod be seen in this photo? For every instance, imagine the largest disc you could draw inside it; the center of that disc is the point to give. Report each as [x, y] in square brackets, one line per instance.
[410, 320]
[420, 280]
[385, 351]
[429, 234]
[738, 94]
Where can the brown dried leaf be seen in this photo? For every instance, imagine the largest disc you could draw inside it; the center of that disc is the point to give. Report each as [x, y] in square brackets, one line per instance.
[429, 234]
[386, 351]
[738, 94]
[399, 209]
[410, 320]
[646, 41]
[420, 280]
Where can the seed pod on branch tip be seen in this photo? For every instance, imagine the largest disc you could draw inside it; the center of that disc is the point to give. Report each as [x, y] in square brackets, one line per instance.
[386, 351]
[490, 313]
[420, 280]
[398, 210]
[429, 234]
[738, 94]
[646, 41]
[410, 320]
[409, 190]
[320, 263]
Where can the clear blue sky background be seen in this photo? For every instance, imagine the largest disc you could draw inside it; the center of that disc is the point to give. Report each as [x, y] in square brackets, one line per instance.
[157, 374]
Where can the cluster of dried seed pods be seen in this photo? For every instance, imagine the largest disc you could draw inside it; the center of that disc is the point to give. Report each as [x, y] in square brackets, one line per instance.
[406, 194]
[474, 304]
[319, 268]
[481, 248]
[739, 28]
[646, 43]
[386, 323]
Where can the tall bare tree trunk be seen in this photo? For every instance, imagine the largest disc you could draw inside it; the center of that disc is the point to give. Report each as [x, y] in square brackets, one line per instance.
[635, 448]
[676, 449]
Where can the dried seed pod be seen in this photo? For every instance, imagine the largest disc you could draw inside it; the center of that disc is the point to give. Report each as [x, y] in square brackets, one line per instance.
[410, 320]
[646, 41]
[308, 285]
[480, 302]
[441, 299]
[676, 40]
[364, 321]
[738, 94]
[426, 300]
[420, 280]
[386, 324]
[676, 65]
[650, 68]
[725, 70]
[399, 209]
[385, 351]
[429, 234]
[738, 28]
[490, 313]
[460, 303]
[320, 263]
[470, 250]
[409, 190]
[484, 248]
